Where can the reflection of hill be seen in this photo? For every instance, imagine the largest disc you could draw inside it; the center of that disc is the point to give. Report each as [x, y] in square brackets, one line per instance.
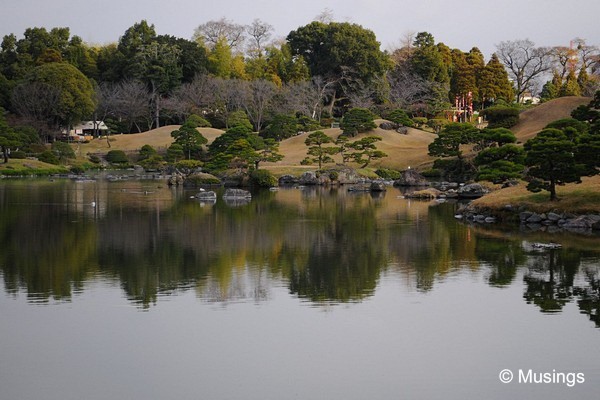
[326, 245]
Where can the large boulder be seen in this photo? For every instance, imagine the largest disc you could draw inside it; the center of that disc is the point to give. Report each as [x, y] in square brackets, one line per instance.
[410, 177]
[288, 180]
[471, 191]
[309, 178]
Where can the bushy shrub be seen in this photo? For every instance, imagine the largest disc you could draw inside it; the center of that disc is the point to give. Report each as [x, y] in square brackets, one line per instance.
[49, 158]
[77, 169]
[94, 158]
[152, 163]
[146, 152]
[501, 116]
[239, 118]
[419, 121]
[386, 173]
[400, 117]
[18, 155]
[175, 153]
[197, 121]
[262, 178]
[63, 151]
[117, 157]
[200, 179]
[356, 121]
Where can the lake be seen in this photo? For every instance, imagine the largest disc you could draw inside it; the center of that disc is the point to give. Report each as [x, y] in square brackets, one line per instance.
[129, 289]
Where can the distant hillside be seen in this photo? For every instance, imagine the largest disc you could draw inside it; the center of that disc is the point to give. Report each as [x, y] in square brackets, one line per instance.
[402, 150]
[157, 138]
[535, 119]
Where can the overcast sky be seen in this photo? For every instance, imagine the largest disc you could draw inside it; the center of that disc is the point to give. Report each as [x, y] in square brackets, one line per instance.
[459, 24]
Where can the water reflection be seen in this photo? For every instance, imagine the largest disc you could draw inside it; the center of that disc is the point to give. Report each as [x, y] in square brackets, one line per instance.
[325, 245]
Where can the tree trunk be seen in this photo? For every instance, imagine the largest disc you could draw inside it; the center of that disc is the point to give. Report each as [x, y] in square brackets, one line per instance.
[553, 190]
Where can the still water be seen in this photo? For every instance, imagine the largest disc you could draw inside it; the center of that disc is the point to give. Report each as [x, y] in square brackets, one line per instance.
[133, 290]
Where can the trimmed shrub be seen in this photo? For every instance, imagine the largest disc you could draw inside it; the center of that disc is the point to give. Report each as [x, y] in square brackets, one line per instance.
[49, 158]
[501, 116]
[386, 173]
[400, 117]
[356, 121]
[18, 155]
[262, 178]
[117, 157]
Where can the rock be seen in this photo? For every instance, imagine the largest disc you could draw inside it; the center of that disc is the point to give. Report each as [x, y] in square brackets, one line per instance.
[237, 194]
[479, 218]
[458, 216]
[288, 180]
[451, 194]
[402, 130]
[490, 220]
[596, 226]
[534, 218]
[580, 223]
[309, 178]
[471, 191]
[388, 126]
[523, 216]
[554, 217]
[411, 177]
[378, 187]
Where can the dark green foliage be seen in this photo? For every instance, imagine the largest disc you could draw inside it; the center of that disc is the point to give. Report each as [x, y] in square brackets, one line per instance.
[501, 116]
[551, 161]
[386, 173]
[356, 121]
[366, 150]
[489, 137]
[223, 141]
[190, 139]
[77, 169]
[452, 169]
[152, 163]
[281, 127]
[94, 159]
[117, 157]
[49, 157]
[239, 119]
[566, 123]
[188, 167]
[197, 121]
[146, 152]
[316, 142]
[400, 117]
[18, 155]
[200, 179]
[175, 153]
[262, 178]
[448, 142]
[63, 151]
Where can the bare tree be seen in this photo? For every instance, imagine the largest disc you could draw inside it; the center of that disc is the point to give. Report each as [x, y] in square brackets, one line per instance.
[134, 104]
[408, 88]
[257, 99]
[260, 32]
[211, 31]
[525, 63]
[325, 16]
[564, 59]
[37, 104]
[196, 96]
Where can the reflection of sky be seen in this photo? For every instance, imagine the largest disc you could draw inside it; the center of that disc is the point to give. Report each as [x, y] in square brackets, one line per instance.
[449, 343]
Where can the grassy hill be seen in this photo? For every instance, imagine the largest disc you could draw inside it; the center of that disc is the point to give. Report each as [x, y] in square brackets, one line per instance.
[402, 150]
[533, 120]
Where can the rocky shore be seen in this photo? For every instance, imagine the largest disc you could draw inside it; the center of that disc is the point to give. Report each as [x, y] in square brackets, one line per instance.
[551, 222]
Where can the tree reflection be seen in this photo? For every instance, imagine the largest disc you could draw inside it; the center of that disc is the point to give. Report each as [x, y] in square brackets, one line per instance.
[326, 244]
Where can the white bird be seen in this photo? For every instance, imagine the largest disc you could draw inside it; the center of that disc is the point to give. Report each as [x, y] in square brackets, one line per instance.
[93, 204]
